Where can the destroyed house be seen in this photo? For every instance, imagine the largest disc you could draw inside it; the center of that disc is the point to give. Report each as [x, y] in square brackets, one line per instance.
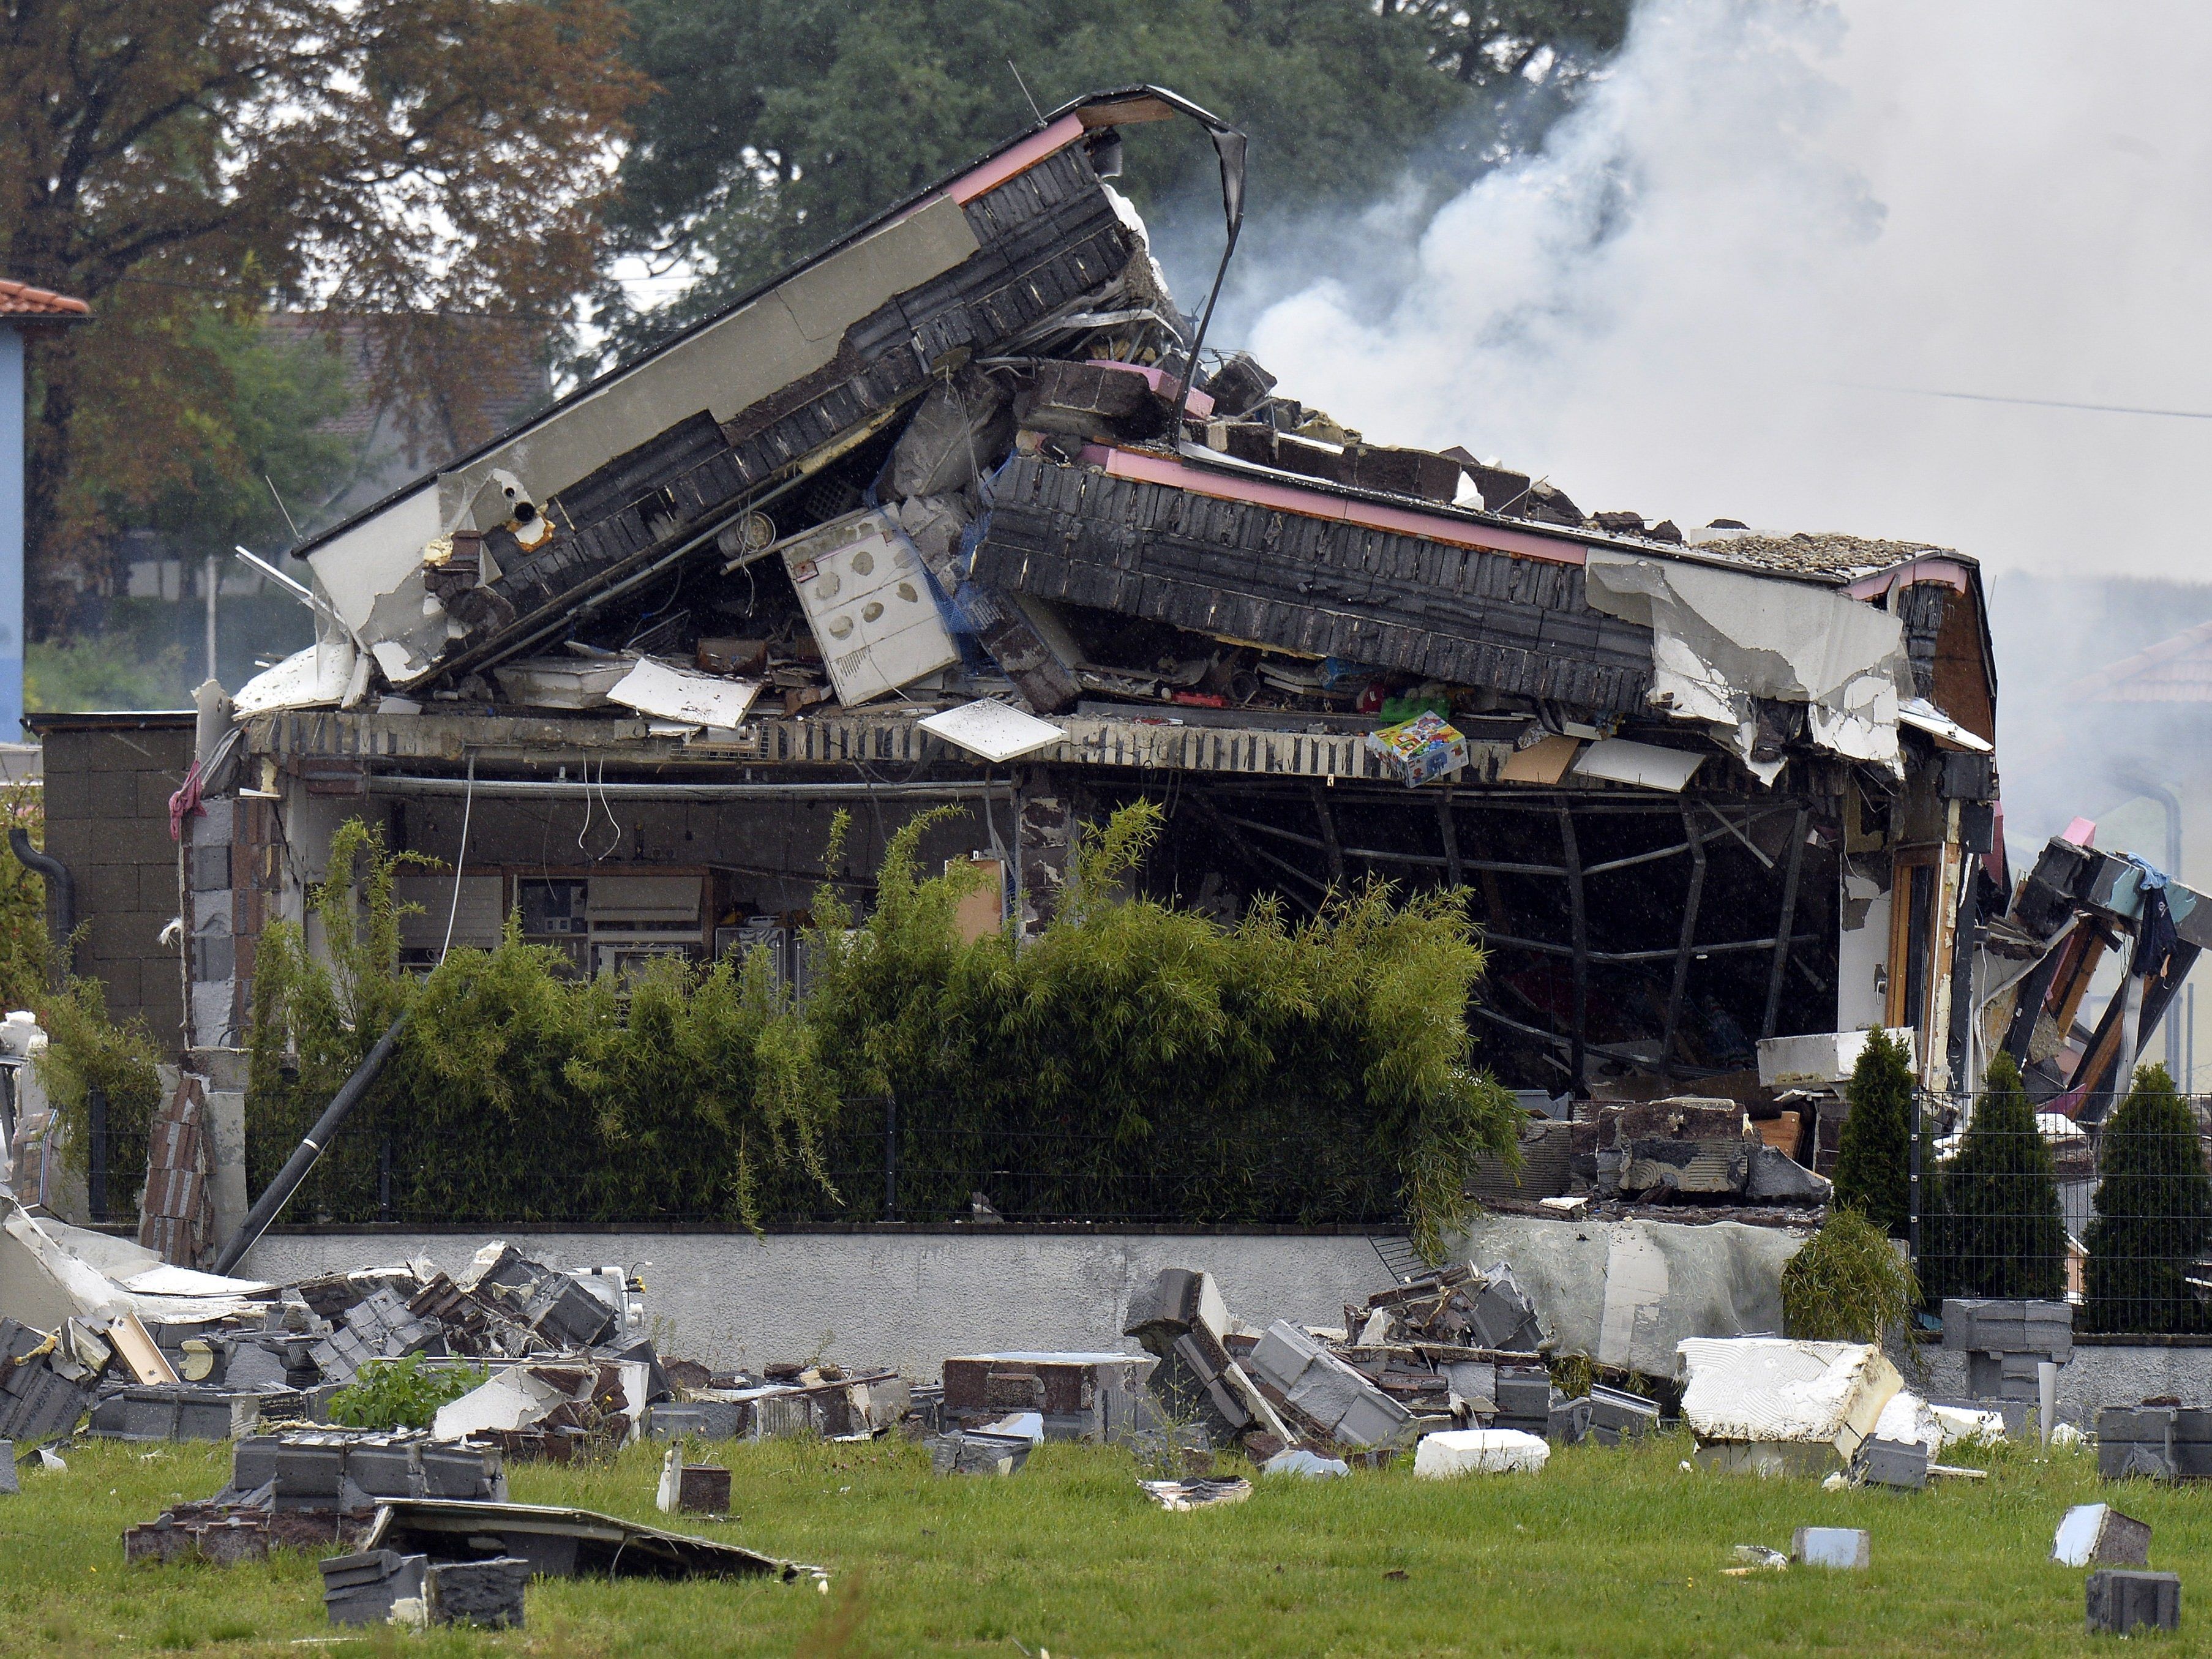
[960, 510]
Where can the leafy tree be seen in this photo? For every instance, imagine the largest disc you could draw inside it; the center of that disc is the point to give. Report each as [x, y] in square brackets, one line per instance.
[258, 403]
[777, 126]
[2003, 1232]
[162, 158]
[2154, 1220]
[1874, 1161]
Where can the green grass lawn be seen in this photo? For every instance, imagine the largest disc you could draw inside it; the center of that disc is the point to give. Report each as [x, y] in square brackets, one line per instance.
[1611, 1552]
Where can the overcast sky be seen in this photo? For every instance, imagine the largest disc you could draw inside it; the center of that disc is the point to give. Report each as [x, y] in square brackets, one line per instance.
[1774, 205]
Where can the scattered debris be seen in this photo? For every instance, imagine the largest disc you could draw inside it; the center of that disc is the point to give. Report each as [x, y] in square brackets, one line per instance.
[2161, 1442]
[1079, 1397]
[1181, 1318]
[1770, 1405]
[2099, 1535]
[1480, 1451]
[1901, 1463]
[1757, 1557]
[1845, 1547]
[561, 1543]
[364, 1588]
[1298, 1461]
[970, 1453]
[1327, 1397]
[1197, 1493]
[2121, 1603]
[691, 1488]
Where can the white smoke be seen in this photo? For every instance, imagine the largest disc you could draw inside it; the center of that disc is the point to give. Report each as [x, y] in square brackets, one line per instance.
[1771, 206]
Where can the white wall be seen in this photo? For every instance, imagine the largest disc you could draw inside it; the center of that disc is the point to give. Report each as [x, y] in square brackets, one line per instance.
[902, 1299]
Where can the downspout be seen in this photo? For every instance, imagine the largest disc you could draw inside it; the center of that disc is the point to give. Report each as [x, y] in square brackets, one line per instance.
[59, 883]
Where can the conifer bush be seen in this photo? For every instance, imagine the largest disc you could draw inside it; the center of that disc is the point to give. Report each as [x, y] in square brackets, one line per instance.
[1134, 1059]
[2002, 1233]
[1873, 1158]
[2153, 1215]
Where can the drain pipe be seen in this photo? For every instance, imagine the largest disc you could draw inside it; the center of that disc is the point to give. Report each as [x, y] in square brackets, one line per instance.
[279, 1191]
[59, 883]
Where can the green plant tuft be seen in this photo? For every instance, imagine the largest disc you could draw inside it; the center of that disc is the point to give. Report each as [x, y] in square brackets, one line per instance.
[1848, 1284]
[398, 1393]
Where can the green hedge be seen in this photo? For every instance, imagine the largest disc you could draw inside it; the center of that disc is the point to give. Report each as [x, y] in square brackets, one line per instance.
[1133, 1053]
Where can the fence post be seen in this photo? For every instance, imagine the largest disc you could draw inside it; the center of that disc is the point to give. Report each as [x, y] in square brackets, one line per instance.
[95, 1112]
[1912, 1185]
[891, 1157]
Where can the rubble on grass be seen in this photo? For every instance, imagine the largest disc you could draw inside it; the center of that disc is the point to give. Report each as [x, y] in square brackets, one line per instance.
[2121, 1603]
[2099, 1535]
[1199, 1493]
[1773, 1405]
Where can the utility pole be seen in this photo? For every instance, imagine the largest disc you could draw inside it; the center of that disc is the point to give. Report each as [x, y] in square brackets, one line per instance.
[208, 584]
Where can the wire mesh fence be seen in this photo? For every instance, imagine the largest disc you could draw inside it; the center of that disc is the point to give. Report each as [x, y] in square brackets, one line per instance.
[909, 1161]
[2106, 1203]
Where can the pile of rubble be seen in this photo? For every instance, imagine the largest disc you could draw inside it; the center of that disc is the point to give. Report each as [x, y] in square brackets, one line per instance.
[1456, 1349]
[1695, 1156]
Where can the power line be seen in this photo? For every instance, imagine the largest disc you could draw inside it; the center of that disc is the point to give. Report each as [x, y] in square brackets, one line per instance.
[2032, 403]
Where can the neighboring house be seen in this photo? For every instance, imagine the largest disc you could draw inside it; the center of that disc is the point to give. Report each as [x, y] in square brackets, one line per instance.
[22, 308]
[509, 377]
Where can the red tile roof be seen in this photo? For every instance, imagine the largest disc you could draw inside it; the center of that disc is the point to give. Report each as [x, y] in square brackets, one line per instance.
[22, 299]
[2178, 670]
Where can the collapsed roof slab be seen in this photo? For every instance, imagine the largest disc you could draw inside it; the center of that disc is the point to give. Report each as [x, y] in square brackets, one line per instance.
[1323, 585]
[604, 487]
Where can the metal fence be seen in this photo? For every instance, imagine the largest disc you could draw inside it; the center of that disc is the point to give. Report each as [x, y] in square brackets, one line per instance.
[2111, 1213]
[898, 1161]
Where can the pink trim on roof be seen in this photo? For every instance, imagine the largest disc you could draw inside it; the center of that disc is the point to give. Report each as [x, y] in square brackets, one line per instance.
[1949, 572]
[1007, 164]
[1315, 504]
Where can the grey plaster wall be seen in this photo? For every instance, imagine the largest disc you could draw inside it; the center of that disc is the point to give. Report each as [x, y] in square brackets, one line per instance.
[2094, 1377]
[902, 1299]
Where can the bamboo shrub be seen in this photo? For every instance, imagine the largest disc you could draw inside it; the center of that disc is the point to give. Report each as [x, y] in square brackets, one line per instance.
[1135, 1058]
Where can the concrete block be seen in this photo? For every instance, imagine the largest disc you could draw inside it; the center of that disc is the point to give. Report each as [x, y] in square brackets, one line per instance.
[2136, 1441]
[1568, 1423]
[2121, 1601]
[1480, 1451]
[969, 1453]
[360, 1590]
[477, 1592]
[1847, 1547]
[1901, 1463]
[8, 1484]
[2099, 1535]
[1626, 1415]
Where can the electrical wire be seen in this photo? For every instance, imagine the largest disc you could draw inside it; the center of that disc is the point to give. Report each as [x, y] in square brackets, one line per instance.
[461, 858]
[2031, 403]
